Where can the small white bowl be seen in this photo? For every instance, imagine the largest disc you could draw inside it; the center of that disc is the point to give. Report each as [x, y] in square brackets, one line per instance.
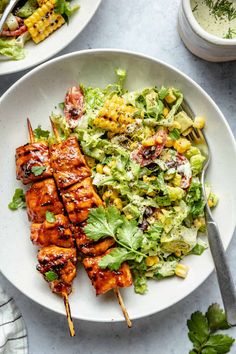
[200, 42]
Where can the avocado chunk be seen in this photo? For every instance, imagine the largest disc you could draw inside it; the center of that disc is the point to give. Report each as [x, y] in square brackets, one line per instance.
[183, 119]
[27, 9]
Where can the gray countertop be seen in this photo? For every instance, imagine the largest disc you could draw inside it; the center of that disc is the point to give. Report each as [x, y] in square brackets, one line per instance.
[147, 26]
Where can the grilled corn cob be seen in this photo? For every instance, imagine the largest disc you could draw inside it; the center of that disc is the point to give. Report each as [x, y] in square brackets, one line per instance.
[44, 21]
[115, 115]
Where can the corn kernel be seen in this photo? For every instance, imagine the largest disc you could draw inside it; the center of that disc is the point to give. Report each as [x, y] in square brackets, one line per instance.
[199, 122]
[169, 142]
[210, 203]
[182, 145]
[107, 195]
[151, 260]
[133, 145]
[149, 141]
[177, 180]
[176, 125]
[118, 203]
[90, 161]
[106, 170]
[99, 168]
[159, 140]
[170, 98]
[129, 216]
[178, 253]
[165, 111]
[181, 270]
[199, 222]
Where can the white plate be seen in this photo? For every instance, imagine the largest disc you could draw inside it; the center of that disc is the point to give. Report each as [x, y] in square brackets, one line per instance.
[35, 96]
[36, 54]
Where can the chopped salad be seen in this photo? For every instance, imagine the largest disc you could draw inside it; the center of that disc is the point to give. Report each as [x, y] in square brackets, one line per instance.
[31, 20]
[145, 170]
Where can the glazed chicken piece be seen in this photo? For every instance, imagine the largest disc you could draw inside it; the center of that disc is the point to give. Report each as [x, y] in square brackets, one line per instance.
[79, 199]
[104, 280]
[58, 266]
[42, 197]
[88, 247]
[57, 233]
[69, 165]
[32, 162]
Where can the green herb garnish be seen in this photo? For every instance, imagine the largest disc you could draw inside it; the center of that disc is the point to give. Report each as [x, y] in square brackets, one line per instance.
[230, 34]
[202, 328]
[38, 170]
[64, 8]
[50, 217]
[40, 134]
[51, 275]
[18, 200]
[103, 222]
[222, 8]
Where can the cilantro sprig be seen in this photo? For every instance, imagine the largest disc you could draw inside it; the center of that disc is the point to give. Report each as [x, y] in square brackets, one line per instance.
[38, 170]
[18, 200]
[202, 328]
[104, 222]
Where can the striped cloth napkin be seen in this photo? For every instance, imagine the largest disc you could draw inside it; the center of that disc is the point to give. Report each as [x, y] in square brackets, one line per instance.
[13, 334]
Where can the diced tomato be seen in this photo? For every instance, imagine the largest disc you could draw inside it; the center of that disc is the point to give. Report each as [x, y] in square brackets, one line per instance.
[74, 106]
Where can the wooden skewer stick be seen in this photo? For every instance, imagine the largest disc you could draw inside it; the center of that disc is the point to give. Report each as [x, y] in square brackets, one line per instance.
[122, 305]
[30, 130]
[55, 131]
[68, 315]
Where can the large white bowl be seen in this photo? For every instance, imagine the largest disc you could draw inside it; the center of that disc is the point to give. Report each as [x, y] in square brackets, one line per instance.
[35, 96]
[200, 42]
[36, 54]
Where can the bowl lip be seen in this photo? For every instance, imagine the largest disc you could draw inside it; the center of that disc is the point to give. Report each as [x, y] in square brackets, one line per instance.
[48, 56]
[187, 78]
[201, 32]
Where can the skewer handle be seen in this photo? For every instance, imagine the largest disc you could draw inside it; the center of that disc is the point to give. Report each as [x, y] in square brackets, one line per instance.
[30, 130]
[122, 305]
[55, 131]
[68, 315]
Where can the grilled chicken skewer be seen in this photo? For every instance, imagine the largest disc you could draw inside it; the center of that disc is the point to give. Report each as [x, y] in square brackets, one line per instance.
[57, 257]
[31, 158]
[78, 198]
[103, 280]
[58, 266]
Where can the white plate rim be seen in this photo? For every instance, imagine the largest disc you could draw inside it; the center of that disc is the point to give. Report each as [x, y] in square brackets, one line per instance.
[186, 77]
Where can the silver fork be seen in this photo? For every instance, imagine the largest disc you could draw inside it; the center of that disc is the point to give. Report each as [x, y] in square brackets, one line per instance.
[7, 11]
[225, 280]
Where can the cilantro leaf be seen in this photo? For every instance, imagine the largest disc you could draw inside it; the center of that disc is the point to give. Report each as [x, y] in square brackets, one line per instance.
[103, 222]
[208, 351]
[40, 134]
[220, 342]
[51, 275]
[115, 258]
[64, 8]
[174, 134]
[198, 329]
[18, 200]
[198, 249]
[50, 217]
[216, 318]
[38, 170]
[129, 234]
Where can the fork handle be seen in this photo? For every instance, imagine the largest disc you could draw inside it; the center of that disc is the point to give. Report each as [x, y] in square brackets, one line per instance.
[225, 280]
